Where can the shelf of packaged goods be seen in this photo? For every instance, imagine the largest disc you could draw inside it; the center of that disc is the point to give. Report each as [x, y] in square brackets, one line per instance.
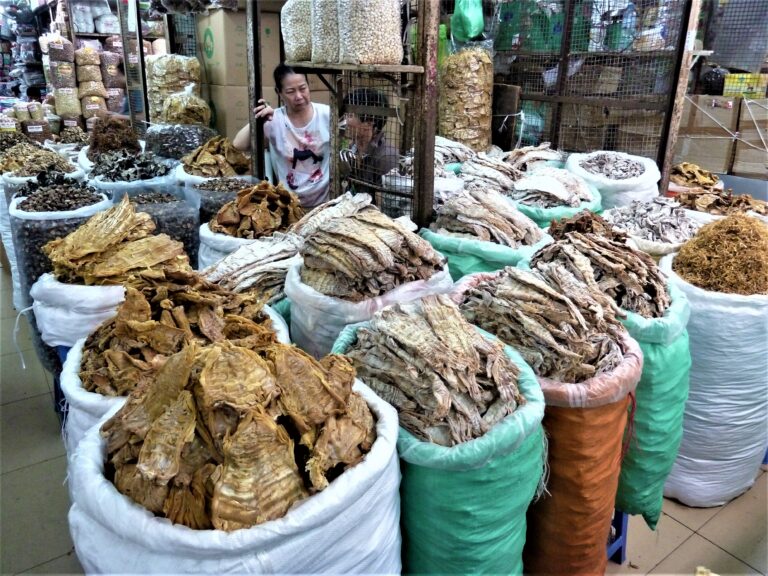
[368, 68]
[96, 34]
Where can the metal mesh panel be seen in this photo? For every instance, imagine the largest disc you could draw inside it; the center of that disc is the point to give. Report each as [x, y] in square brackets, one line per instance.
[183, 33]
[739, 38]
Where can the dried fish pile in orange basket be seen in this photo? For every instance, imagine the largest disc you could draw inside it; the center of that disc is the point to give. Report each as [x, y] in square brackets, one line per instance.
[224, 437]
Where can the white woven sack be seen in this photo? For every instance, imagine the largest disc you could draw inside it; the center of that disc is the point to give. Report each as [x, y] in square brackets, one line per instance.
[351, 527]
[184, 178]
[10, 252]
[65, 313]
[214, 247]
[317, 319]
[725, 428]
[620, 192]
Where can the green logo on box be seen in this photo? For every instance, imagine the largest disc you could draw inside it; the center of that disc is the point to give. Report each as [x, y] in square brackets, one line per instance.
[208, 43]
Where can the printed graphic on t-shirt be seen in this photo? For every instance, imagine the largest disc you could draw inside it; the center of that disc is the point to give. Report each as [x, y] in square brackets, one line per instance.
[306, 159]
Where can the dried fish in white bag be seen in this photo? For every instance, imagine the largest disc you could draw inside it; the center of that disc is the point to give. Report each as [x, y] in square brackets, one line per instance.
[550, 187]
[660, 220]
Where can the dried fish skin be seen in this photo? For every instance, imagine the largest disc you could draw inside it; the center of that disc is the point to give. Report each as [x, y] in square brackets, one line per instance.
[130, 482]
[529, 158]
[187, 504]
[259, 480]
[341, 207]
[550, 187]
[660, 220]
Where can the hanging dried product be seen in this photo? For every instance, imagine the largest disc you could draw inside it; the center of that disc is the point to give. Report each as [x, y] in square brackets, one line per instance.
[122, 166]
[486, 216]
[449, 383]
[729, 255]
[216, 158]
[365, 255]
[693, 176]
[660, 220]
[613, 166]
[564, 330]
[551, 187]
[258, 211]
[721, 203]
[528, 158]
[112, 134]
[212, 439]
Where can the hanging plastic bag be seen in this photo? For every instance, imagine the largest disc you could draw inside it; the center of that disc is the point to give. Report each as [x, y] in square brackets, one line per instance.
[657, 426]
[185, 107]
[467, 21]
[362, 41]
[296, 29]
[725, 427]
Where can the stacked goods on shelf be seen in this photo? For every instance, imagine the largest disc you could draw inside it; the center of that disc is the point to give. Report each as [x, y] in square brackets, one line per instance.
[91, 89]
[166, 75]
[471, 441]
[61, 53]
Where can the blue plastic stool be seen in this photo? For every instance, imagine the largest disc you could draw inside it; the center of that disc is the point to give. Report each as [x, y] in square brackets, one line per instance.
[617, 548]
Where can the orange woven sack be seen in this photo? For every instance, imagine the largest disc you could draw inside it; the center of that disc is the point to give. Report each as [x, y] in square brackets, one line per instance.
[568, 527]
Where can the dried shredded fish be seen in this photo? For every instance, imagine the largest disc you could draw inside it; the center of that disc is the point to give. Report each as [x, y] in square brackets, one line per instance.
[660, 220]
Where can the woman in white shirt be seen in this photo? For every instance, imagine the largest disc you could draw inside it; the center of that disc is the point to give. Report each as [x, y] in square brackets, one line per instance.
[299, 138]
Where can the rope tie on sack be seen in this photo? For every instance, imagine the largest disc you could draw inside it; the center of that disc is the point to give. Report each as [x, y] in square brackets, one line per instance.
[16, 334]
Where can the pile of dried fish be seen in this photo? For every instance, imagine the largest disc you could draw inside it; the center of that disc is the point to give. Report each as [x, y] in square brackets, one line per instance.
[485, 172]
[486, 216]
[27, 159]
[161, 317]
[721, 203]
[111, 135]
[365, 255]
[115, 247]
[693, 176]
[341, 207]
[529, 157]
[449, 383]
[729, 255]
[660, 220]
[450, 152]
[258, 211]
[564, 330]
[123, 166]
[258, 268]
[612, 165]
[550, 187]
[223, 438]
[217, 157]
[586, 222]
[611, 267]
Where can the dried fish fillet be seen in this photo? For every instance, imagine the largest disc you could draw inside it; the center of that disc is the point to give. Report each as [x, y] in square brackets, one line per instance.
[549, 187]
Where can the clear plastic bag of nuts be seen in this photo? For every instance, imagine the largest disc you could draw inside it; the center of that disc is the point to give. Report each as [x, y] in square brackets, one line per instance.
[363, 41]
[325, 31]
[296, 29]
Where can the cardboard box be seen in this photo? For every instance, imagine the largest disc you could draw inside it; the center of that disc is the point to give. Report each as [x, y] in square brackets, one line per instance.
[705, 131]
[751, 158]
[229, 107]
[223, 38]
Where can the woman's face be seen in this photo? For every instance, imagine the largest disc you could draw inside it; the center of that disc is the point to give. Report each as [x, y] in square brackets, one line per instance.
[361, 133]
[295, 93]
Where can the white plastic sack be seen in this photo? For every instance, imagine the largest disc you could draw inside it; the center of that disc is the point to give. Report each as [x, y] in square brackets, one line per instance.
[186, 179]
[83, 212]
[66, 313]
[725, 428]
[116, 190]
[317, 319]
[10, 252]
[279, 325]
[620, 192]
[214, 247]
[707, 218]
[351, 527]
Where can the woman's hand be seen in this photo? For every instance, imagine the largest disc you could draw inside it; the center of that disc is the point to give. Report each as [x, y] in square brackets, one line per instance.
[263, 110]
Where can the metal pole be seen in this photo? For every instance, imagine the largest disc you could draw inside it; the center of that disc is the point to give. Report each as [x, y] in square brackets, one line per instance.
[253, 15]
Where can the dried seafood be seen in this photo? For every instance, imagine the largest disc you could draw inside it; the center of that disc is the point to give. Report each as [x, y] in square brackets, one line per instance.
[612, 165]
[217, 157]
[486, 216]
[487, 172]
[721, 203]
[73, 135]
[123, 166]
[221, 438]
[449, 383]
[158, 320]
[551, 187]
[586, 222]
[729, 255]
[341, 207]
[660, 220]
[529, 157]
[693, 176]
[115, 247]
[449, 152]
[27, 159]
[611, 267]
[365, 255]
[259, 267]
[564, 330]
[258, 211]
[110, 135]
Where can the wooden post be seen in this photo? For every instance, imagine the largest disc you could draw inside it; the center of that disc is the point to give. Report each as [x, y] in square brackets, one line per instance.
[425, 108]
[669, 134]
[253, 17]
[334, 181]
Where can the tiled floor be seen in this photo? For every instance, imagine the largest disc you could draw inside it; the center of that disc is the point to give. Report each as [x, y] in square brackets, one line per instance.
[34, 535]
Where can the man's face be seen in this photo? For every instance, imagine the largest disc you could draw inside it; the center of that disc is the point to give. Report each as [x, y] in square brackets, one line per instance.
[361, 133]
[295, 92]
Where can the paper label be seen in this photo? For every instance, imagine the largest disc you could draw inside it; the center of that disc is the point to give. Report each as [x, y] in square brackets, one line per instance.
[92, 107]
[56, 45]
[65, 90]
[117, 44]
[133, 59]
[34, 129]
[70, 123]
[112, 92]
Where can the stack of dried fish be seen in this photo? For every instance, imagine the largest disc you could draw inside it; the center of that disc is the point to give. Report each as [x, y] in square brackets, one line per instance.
[115, 247]
[365, 255]
[158, 320]
[28, 159]
[450, 152]
[258, 211]
[486, 216]
[721, 203]
[660, 220]
[216, 158]
[485, 172]
[124, 166]
[528, 158]
[564, 330]
[586, 222]
[612, 165]
[222, 438]
[449, 383]
[341, 207]
[611, 267]
[258, 268]
[693, 176]
[550, 187]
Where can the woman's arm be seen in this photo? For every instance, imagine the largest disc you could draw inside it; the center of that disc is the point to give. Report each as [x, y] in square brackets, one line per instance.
[242, 140]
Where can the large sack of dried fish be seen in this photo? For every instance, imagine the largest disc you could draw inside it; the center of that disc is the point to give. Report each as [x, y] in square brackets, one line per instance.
[657, 426]
[212, 193]
[552, 194]
[707, 206]
[477, 490]
[620, 178]
[340, 207]
[352, 268]
[725, 427]
[482, 232]
[217, 158]
[349, 527]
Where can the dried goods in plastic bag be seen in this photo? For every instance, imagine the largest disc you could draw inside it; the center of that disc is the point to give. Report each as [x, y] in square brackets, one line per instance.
[367, 40]
[62, 74]
[89, 73]
[111, 75]
[35, 111]
[107, 24]
[325, 31]
[296, 29]
[61, 50]
[166, 75]
[82, 18]
[93, 106]
[87, 56]
[22, 111]
[115, 98]
[92, 89]
[37, 130]
[185, 108]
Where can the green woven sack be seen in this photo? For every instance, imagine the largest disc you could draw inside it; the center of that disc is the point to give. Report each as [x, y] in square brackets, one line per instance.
[463, 508]
[466, 256]
[543, 216]
[283, 307]
[658, 419]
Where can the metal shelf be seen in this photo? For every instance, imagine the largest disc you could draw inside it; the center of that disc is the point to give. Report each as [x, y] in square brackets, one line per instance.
[367, 68]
